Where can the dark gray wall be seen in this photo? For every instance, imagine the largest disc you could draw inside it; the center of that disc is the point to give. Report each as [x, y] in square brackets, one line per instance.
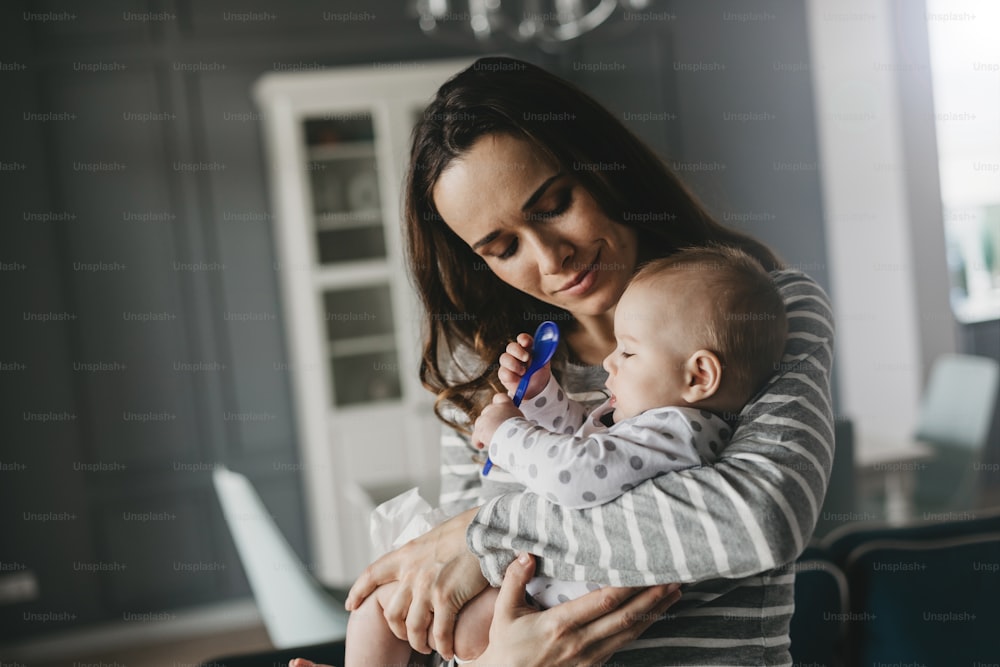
[734, 81]
[142, 334]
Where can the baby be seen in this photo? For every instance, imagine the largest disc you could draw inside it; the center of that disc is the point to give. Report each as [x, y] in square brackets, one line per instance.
[698, 334]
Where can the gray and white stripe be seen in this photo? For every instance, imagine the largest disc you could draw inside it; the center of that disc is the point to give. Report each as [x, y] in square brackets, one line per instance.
[725, 530]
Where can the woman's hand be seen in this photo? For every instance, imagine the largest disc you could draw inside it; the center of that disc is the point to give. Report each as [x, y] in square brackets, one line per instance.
[437, 575]
[585, 631]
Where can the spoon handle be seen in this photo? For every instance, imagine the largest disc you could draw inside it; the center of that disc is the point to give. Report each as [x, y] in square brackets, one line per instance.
[522, 387]
[549, 332]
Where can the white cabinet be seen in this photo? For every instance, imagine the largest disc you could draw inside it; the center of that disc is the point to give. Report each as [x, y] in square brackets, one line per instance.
[338, 145]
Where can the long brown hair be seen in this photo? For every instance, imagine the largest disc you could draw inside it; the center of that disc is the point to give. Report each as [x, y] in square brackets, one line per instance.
[467, 306]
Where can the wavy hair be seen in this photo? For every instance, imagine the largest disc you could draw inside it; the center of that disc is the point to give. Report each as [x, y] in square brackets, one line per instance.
[467, 307]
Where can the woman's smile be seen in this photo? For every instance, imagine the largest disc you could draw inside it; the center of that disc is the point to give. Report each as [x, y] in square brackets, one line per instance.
[536, 227]
[581, 283]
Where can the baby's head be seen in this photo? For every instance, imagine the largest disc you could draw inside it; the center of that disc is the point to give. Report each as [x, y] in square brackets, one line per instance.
[703, 327]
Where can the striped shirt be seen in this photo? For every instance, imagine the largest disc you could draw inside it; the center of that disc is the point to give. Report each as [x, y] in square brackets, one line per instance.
[727, 531]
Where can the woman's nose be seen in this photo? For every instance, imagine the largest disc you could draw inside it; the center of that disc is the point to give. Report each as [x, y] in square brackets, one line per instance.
[553, 255]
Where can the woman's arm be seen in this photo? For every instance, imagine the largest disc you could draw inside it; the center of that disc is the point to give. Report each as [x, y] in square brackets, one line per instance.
[753, 510]
[586, 631]
[437, 575]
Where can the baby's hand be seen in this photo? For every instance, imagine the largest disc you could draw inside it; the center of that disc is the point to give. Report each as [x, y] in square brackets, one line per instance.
[514, 363]
[496, 413]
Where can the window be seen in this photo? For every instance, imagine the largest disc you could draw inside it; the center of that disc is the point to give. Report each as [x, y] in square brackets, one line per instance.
[965, 70]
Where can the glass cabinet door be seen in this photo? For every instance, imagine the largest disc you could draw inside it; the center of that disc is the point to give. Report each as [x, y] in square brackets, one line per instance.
[344, 187]
[349, 227]
[338, 142]
[361, 340]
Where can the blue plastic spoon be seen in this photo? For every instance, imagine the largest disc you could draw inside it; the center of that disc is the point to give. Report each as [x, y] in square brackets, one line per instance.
[546, 340]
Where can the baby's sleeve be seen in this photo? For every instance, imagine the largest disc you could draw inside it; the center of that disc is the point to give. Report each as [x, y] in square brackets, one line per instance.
[552, 409]
[592, 467]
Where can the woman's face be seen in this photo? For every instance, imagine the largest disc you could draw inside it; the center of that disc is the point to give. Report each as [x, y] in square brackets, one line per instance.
[537, 229]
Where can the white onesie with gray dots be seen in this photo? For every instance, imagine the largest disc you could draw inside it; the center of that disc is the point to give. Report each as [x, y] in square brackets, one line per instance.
[571, 458]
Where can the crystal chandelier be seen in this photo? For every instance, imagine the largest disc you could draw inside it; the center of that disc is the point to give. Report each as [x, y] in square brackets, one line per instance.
[547, 22]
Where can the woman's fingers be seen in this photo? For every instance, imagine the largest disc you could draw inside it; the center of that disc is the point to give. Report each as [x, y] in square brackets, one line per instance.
[443, 632]
[510, 601]
[396, 610]
[373, 576]
[418, 620]
[631, 620]
[608, 610]
[585, 631]
[447, 602]
[417, 567]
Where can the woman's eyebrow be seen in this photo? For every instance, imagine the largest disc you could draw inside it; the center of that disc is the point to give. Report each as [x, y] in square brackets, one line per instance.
[486, 240]
[535, 196]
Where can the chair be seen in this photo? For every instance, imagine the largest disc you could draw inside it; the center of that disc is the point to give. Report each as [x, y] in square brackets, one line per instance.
[296, 608]
[954, 420]
[923, 593]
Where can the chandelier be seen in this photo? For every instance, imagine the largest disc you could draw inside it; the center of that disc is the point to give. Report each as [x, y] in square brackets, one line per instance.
[547, 22]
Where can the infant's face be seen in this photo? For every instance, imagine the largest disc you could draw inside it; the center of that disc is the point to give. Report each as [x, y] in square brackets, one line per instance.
[646, 369]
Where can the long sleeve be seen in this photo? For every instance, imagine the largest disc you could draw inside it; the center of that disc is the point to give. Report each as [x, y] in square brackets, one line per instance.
[463, 486]
[751, 511]
[596, 464]
[554, 410]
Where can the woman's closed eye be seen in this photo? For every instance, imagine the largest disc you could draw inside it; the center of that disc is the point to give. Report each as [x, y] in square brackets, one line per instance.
[561, 206]
[509, 250]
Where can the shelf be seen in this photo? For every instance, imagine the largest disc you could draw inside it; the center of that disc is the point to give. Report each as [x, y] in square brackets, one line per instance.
[352, 274]
[351, 347]
[370, 217]
[348, 150]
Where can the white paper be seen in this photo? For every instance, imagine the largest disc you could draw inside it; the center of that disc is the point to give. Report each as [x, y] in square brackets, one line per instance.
[399, 520]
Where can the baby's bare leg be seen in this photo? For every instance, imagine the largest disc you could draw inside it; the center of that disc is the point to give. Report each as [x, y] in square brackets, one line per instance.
[472, 630]
[370, 642]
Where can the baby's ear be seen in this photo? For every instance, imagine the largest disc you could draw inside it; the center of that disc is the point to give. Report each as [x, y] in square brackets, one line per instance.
[702, 376]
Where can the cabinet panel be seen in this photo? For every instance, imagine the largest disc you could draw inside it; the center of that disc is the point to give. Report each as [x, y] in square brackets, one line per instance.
[338, 143]
[361, 342]
[343, 187]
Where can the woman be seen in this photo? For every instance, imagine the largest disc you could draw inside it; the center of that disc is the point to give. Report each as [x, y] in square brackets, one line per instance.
[526, 200]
